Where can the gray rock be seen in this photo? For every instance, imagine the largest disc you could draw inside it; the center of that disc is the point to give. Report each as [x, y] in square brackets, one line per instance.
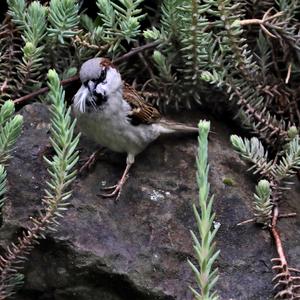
[137, 248]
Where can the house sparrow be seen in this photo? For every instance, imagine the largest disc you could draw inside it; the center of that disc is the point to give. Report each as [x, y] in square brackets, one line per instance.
[113, 114]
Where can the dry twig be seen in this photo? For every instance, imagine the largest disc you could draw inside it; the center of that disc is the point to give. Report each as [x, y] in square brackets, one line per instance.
[288, 283]
[263, 23]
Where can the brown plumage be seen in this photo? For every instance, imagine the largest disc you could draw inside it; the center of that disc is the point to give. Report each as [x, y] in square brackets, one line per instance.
[105, 62]
[142, 112]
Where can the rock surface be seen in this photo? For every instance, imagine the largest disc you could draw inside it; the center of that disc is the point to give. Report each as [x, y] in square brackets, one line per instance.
[137, 248]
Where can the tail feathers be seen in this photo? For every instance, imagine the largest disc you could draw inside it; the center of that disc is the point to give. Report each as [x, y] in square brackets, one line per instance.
[170, 127]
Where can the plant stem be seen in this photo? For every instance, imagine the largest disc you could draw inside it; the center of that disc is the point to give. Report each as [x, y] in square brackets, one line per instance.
[290, 215]
[277, 238]
[64, 82]
[44, 90]
[136, 50]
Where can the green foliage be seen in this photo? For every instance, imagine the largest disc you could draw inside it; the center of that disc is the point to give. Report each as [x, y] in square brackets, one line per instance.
[206, 275]
[62, 164]
[171, 20]
[33, 27]
[120, 20]
[6, 112]
[187, 48]
[56, 35]
[8, 135]
[63, 19]
[63, 23]
[10, 129]
[62, 174]
[253, 151]
[210, 42]
[200, 43]
[164, 68]
[267, 198]
[194, 50]
[290, 161]
[9, 48]
[16, 10]
[46, 34]
[262, 202]
[34, 24]
[277, 173]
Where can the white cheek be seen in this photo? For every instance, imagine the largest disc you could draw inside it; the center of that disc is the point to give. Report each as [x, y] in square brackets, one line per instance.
[101, 89]
[112, 82]
[80, 98]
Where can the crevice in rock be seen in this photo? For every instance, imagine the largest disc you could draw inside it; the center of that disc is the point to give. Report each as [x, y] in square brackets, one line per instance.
[55, 271]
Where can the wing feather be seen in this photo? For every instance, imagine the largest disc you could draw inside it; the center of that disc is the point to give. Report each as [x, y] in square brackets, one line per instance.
[142, 112]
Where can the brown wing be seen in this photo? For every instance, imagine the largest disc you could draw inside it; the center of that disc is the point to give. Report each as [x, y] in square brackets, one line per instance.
[142, 112]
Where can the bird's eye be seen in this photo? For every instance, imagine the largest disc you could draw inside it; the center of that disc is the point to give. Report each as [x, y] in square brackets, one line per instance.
[86, 83]
[102, 75]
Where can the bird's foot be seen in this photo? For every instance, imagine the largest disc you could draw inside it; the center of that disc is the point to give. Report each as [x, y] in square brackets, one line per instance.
[90, 161]
[107, 188]
[117, 189]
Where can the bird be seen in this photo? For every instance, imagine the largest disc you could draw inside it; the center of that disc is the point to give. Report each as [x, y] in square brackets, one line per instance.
[113, 114]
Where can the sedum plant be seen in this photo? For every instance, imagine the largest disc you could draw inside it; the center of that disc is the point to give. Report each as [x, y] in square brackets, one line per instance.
[233, 47]
[224, 44]
[205, 273]
[262, 202]
[35, 37]
[117, 27]
[120, 20]
[276, 174]
[10, 130]
[63, 25]
[62, 174]
[63, 19]
[32, 24]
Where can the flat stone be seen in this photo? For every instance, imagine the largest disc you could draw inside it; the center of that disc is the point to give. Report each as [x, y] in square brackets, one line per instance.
[137, 248]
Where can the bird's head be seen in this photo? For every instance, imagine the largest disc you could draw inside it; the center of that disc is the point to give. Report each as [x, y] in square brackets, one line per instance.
[99, 80]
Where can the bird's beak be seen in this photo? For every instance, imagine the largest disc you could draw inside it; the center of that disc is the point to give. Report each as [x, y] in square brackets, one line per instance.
[91, 87]
[90, 90]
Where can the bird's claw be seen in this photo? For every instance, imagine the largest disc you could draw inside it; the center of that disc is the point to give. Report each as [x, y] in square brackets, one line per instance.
[106, 188]
[117, 189]
[88, 164]
[91, 160]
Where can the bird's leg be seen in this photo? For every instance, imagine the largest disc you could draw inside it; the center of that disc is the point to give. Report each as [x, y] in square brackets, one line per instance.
[90, 161]
[117, 189]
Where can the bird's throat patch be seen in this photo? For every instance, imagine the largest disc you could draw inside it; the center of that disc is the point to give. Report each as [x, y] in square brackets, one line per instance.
[100, 99]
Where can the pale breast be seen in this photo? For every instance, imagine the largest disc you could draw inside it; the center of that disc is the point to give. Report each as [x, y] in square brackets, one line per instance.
[116, 132]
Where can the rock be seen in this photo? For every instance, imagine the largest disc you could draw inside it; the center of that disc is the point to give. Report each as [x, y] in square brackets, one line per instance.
[137, 248]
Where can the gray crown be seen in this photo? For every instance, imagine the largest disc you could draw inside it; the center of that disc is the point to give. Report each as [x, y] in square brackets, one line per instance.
[91, 69]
